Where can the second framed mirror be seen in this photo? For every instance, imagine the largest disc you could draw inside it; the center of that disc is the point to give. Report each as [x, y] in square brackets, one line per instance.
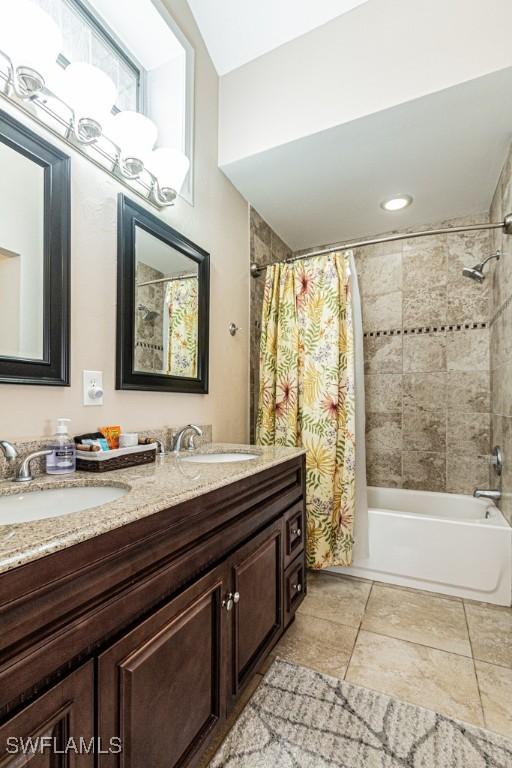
[162, 305]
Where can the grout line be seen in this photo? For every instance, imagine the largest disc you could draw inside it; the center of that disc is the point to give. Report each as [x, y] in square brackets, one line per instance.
[422, 645]
[484, 718]
[322, 618]
[358, 630]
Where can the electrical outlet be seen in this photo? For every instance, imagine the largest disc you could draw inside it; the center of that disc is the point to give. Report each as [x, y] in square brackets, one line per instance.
[93, 387]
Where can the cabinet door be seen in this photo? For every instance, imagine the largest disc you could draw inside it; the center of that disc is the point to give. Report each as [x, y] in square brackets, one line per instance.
[256, 577]
[162, 686]
[57, 730]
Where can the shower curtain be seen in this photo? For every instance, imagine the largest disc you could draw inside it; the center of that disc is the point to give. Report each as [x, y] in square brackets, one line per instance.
[181, 300]
[310, 372]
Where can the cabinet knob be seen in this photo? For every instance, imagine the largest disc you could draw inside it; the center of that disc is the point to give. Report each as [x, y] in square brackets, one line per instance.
[296, 531]
[230, 600]
[297, 587]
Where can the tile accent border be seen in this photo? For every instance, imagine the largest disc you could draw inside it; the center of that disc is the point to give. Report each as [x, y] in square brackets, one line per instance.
[427, 329]
[147, 345]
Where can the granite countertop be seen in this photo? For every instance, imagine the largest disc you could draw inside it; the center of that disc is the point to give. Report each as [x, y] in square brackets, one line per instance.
[151, 488]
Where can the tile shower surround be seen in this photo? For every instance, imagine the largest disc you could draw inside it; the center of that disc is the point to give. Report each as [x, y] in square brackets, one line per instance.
[501, 338]
[149, 350]
[426, 347]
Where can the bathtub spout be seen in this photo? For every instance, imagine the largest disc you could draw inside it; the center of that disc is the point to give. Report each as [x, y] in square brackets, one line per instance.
[494, 495]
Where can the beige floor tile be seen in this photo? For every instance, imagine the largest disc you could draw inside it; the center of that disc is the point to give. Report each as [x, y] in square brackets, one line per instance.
[441, 681]
[490, 631]
[496, 692]
[318, 644]
[419, 617]
[336, 598]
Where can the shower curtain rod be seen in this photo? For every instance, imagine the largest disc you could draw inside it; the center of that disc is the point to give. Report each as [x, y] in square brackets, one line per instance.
[506, 225]
[165, 280]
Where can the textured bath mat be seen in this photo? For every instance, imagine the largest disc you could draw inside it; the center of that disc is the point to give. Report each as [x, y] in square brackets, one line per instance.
[299, 718]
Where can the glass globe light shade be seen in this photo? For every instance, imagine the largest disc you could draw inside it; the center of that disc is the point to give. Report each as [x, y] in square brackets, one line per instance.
[170, 166]
[135, 135]
[31, 39]
[92, 94]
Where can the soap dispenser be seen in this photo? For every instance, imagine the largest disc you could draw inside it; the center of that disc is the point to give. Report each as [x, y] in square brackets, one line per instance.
[62, 458]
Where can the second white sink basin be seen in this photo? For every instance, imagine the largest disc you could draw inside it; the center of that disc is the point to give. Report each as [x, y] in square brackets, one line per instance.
[38, 505]
[218, 458]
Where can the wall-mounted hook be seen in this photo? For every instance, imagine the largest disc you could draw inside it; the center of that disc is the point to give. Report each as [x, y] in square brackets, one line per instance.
[233, 329]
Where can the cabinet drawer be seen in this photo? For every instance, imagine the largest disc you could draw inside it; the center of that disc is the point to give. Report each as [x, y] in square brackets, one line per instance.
[294, 533]
[294, 588]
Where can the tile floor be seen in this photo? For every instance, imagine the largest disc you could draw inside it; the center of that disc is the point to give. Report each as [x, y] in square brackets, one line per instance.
[443, 653]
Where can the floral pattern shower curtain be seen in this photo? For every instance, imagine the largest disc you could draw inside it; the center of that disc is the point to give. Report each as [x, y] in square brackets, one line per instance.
[307, 396]
[181, 300]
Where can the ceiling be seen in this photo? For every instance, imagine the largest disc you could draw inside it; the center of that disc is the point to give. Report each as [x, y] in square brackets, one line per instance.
[161, 256]
[237, 31]
[445, 149]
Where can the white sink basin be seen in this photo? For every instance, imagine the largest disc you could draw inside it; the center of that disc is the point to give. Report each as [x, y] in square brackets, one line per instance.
[37, 505]
[218, 458]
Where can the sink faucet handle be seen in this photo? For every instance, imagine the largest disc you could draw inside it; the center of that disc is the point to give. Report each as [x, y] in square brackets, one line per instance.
[9, 450]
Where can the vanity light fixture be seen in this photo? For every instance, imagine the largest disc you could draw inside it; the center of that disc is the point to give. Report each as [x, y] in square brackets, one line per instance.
[135, 135]
[78, 102]
[91, 94]
[170, 167]
[396, 203]
[33, 46]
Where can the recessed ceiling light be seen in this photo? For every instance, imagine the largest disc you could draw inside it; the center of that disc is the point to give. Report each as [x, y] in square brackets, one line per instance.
[396, 203]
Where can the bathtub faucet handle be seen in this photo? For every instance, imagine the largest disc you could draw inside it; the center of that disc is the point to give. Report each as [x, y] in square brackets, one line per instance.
[497, 460]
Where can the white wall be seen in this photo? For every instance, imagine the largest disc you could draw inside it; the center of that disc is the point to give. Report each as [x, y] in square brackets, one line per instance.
[219, 223]
[383, 53]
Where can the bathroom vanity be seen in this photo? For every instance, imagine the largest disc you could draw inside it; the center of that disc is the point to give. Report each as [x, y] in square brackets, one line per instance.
[142, 621]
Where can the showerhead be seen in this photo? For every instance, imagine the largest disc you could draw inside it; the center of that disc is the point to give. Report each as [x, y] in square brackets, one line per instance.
[477, 272]
[148, 314]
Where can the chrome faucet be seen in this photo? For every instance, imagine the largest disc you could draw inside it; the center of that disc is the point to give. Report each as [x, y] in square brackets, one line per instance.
[493, 495]
[190, 445]
[24, 475]
[9, 450]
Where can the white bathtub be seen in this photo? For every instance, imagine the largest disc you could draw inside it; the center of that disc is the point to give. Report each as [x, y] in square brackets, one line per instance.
[442, 542]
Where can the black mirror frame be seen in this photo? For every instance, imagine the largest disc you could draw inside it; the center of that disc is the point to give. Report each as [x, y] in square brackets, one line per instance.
[131, 215]
[53, 369]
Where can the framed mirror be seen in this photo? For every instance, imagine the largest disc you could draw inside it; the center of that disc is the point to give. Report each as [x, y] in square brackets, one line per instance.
[163, 290]
[34, 258]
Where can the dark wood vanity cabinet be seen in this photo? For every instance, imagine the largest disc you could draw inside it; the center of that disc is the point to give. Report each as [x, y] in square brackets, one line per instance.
[143, 638]
[56, 730]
